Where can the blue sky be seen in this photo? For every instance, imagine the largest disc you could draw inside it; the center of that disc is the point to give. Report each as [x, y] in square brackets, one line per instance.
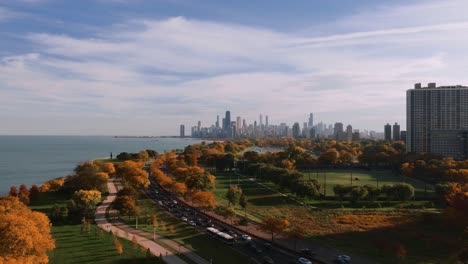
[121, 67]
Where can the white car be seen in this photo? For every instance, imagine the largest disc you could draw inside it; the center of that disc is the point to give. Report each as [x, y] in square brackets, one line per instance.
[184, 219]
[192, 223]
[303, 261]
[246, 237]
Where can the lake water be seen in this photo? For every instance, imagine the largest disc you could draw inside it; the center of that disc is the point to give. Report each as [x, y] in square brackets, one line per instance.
[35, 159]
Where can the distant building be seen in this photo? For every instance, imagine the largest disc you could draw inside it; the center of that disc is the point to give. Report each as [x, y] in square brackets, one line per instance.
[311, 120]
[296, 130]
[437, 120]
[396, 132]
[338, 131]
[388, 132]
[356, 136]
[403, 136]
[182, 131]
[227, 125]
[349, 133]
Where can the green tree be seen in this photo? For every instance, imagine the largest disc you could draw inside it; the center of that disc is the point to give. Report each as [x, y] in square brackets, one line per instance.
[233, 194]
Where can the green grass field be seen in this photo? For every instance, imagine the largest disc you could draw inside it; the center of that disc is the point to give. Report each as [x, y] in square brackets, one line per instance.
[73, 246]
[332, 177]
[95, 247]
[201, 244]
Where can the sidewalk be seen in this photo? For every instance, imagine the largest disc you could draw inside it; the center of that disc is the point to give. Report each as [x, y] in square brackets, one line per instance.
[174, 245]
[121, 230]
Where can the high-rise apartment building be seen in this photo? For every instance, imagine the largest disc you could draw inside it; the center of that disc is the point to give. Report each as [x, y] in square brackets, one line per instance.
[296, 130]
[182, 131]
[437, 120]
[338, 132]
[388, 132]
[349, 133]
[396, 132]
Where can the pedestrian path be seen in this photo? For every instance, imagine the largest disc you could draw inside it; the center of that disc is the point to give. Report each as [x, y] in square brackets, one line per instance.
[124, 231]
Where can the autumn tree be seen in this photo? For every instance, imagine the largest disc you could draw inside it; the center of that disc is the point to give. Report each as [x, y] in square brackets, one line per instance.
[13, 191]
[86, 200]
[133, 174]
[34, 193]
[143, 155]
[229, 213]
[108, 168]
[295, 233]
[179, 188]
[24, 234]
[233, 194]
[126, 205]
[23, 194]
[52, 185]
[205, 200]
[118, 246]
[243, 202]
[274, 225]
[457, 200]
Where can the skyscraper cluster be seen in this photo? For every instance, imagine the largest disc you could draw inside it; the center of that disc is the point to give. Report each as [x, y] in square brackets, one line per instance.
[238, 127]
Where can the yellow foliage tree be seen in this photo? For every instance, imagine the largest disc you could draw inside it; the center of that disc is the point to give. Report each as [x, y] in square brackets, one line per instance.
[133, 173]
[24, 235]
[108, 168]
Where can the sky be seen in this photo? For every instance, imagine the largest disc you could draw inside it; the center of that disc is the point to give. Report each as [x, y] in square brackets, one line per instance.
[134, 67]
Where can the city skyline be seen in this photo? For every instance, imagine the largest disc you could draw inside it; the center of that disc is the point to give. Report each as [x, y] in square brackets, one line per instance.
[242, 127]
[144, 67]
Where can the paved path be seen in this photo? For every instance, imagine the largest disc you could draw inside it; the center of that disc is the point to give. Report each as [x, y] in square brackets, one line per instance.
[124, 231]
[174, 245]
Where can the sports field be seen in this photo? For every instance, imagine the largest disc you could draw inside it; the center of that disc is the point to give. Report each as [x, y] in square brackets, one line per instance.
[328, 178]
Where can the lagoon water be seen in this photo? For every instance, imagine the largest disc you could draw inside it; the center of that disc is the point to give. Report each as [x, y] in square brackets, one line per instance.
[35, 159]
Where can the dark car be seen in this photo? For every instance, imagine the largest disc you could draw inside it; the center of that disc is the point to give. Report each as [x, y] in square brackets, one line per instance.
[308, 252]
[267, 260]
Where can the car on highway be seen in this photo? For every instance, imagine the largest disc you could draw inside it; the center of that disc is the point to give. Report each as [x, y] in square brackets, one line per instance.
[184, 219]
[192, 223]
[343, 259]
[246, 237]
[267, 260]
[303, 261]
[308, 252]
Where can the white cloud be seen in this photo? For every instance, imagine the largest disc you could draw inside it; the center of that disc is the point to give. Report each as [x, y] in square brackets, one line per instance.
[6, 14]
[181, 70]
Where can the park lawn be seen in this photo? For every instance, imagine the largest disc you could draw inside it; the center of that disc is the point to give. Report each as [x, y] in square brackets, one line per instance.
[420, 237]
[261, 201]
[96, 246]
[73, 246]
[328, 178]
[201, 244]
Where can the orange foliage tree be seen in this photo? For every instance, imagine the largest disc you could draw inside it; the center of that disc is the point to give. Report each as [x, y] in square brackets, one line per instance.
[274, 225]
[133, 174]
[205, 200]
[179, 188]
[24, 235]
[108, 168]
[24, 194]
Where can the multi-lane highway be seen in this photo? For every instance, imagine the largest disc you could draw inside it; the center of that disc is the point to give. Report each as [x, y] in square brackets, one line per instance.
[258, 249]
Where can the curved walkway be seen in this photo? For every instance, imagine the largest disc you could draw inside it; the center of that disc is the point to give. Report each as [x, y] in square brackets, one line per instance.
[124, 231]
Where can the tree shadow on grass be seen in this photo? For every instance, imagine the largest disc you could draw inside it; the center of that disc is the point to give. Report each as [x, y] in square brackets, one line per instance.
[425, 238]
